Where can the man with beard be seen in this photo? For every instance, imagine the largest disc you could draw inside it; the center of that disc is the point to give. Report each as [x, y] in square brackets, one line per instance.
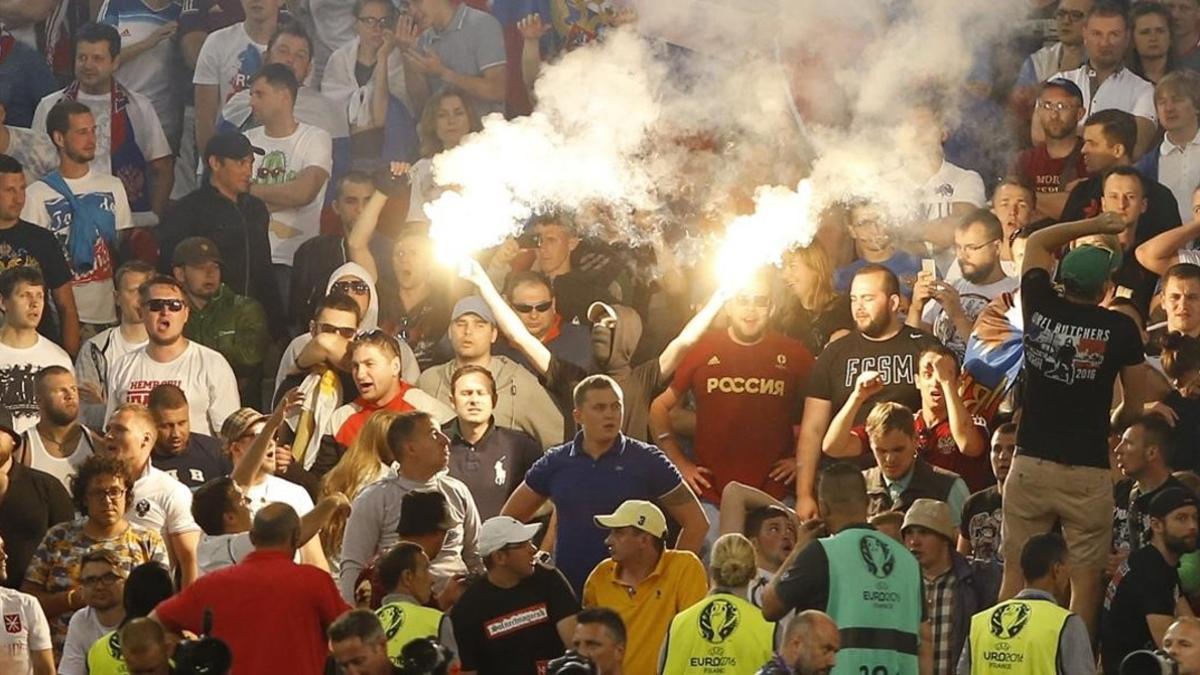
[59, 442]
[1144, 598]
[23, 352]
[202, 373]
[743, 372]
[190, 458]
[1052, 166]
[880, 344]
[948, 309]
[78, 204]
[221, 319]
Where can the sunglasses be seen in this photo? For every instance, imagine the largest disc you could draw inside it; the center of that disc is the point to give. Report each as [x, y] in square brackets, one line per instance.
[342, 331]
[541, 307]
[354, 287]
[164, 304]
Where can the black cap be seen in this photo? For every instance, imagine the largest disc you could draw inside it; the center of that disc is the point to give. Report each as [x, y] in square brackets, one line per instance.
[231, 145]
[1168, 500]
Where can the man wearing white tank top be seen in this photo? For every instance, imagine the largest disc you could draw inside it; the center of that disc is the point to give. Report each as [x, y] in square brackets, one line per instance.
[58, 443]
[100, 352]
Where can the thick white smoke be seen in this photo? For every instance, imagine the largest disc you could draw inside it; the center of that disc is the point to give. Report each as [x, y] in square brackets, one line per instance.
[647, 134]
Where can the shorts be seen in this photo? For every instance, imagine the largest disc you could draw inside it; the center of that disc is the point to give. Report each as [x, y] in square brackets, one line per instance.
[1039, 492]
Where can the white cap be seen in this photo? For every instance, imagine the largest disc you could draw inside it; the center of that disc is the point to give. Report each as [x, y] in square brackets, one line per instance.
[500, 531]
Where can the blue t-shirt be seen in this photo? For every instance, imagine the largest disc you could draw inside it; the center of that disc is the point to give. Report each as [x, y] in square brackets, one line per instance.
[582, 488]
[905, 265]
[24, 80]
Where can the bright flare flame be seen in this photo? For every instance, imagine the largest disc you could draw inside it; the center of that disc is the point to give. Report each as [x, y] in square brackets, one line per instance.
[781, 220]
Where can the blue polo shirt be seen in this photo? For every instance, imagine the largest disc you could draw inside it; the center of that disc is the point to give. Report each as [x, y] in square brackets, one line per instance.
[582, 487]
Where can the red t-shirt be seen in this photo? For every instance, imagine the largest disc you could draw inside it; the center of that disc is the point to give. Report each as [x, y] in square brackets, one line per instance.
[270, 611]
[1037, 168]
[747, 399]
[354, 424]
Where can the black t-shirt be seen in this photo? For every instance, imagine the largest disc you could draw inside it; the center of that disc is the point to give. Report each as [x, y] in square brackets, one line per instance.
[28, 245]
[815, 328]
[1144, 584]
[503, 631]
[1162, 211]
[1122, 538]
[493, 467]
[980, 524]
[1186, 453]
[1073, 354]
[200, 461]
[895, 359]
[35, 501]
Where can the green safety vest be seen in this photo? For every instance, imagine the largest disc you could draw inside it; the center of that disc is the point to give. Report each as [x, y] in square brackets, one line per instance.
[876, 599]
[720, 634]
[104, 656]
[404, 622]
[1018, 636]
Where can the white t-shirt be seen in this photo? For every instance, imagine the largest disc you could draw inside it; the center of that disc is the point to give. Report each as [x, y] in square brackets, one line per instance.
[150, 73]
[228, 59]
[949, 185]
[222, 550]
[312, 107]
[25, 630]
[147, 133]
[44, 206]
[284, 159]
[161, 503]
[1123, 90]
[202, 373]
[18, 367]
[973, 299]
[62, 468]
[276, 489]
[82, 632]
[94, 363]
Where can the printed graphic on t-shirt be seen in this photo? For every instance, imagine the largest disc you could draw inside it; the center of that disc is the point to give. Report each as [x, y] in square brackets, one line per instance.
[1063, 352]
[11, 257]
[249, 63]
[61, 215]
[517, 621]
[973, 305]
[17, 391]
[139, 390]
[892, 368]
[984, 531]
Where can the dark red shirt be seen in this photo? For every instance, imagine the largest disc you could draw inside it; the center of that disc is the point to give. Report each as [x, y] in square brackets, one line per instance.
[270, 611]
[1035, 167]
[747, 399]
[936, 445]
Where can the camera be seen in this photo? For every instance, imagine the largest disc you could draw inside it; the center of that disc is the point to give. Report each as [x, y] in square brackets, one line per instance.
[1148, 662]
[425, 656]
[571, 663]
[205, 655]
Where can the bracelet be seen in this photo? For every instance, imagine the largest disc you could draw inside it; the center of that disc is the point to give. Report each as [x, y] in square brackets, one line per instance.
[72, 593]
[665, 434]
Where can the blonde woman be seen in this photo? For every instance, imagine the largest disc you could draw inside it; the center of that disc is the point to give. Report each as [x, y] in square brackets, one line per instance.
[813, 312]
[725, 620]
[367, 460]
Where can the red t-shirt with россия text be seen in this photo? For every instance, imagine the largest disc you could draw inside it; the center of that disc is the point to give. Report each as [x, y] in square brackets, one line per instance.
[747, 400]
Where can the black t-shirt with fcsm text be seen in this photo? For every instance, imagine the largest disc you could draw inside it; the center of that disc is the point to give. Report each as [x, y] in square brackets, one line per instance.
[1073, 354]
[1144, 584]
[512, 631]
[895, 359]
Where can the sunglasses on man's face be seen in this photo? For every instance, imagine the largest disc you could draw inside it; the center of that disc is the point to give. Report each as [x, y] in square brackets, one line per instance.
[342, 331]
[541, 307]
[354, 287]
[157, 305]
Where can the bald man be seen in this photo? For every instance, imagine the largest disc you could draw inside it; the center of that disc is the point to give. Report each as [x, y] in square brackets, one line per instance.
[809, 647]
[144, 647]
[272, 612]
[1182, 643]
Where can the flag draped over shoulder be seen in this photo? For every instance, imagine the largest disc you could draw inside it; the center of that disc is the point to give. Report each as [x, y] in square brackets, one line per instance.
[995, 354]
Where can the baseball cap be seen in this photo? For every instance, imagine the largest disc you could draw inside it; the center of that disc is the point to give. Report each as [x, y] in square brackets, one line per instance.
[600, 310]
[1085, 269]
[231, 145]
[1168, 500]
[636, 513]
[472, 304]
[194, 251]
[931, 514]
[500, 531]
[1066, 85]
[8, 426]
[238, 424]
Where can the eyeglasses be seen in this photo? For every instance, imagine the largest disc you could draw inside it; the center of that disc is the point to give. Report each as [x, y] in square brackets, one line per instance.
[344, 332]
[377, 21]
[752, 300]
[354, 287]
[107, 579]
[973, 248]
[541, 307]
[1056, 106]
[111, 494]
[157, 305]
[1072, 14]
